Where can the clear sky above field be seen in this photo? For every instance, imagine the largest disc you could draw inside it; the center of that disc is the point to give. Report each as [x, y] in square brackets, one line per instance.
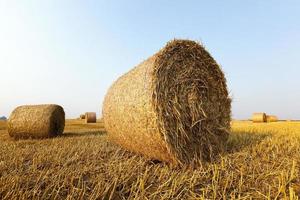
[70, 52]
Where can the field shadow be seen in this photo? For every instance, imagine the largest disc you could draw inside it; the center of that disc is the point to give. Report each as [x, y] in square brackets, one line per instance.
[64, 135]
[83, 133]
[241, 140]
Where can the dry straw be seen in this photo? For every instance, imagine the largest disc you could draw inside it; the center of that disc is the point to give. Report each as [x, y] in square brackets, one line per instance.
[90, 117]
[272, 118]
[172, 107]
[36, 121]
[259, 117]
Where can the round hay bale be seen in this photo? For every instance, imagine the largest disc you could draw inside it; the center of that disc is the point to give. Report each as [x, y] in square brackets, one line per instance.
[173, 107]
[272, 118]
[82, 116]
[90, 117]
[259, 117]
[36, 121]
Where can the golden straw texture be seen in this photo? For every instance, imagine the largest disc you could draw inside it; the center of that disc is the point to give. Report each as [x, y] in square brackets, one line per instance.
[90, 117]
[172, 107]
[259, 117]
[36, 121]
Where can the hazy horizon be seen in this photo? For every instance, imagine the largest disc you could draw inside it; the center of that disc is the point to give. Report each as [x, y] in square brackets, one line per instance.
[70, 52]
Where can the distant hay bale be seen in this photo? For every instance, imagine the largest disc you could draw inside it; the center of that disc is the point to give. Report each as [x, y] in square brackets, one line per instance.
[36, 121]
[90, 117]
[272, 118]
[172, 107]
[259, 117]
[82, 116]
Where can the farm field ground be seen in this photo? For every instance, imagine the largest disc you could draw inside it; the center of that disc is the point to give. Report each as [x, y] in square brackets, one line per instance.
[262, 161]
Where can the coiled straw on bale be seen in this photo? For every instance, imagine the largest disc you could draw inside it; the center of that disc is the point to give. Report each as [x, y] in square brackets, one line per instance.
[36, 121]
[259, 117]
[272, 118]
[173, 107]
[90, 117]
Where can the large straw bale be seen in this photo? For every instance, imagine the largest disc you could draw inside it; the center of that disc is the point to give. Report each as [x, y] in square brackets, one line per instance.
[272, 118]
[259, 117]
[173, 107]
[90, 117]
[36, 121]
[82, 116]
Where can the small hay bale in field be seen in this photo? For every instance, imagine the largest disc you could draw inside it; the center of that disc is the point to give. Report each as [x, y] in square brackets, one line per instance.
[172, 107]
[259, 117]
[82, 116]
[272, 118]
[36, 121]
[90, 117]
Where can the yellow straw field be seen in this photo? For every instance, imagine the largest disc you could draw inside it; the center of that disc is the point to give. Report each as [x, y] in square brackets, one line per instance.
[262, 161]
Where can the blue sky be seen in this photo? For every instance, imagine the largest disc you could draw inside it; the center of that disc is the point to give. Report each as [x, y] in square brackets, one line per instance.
[70, 52]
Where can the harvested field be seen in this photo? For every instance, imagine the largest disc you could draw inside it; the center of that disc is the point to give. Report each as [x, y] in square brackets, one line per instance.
[82, 163]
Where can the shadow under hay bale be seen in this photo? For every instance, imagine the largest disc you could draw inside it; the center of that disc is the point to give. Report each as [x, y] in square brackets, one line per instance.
[259, 117]
[241, 140]
[83, 133]
[172, 107]
[90, 117]
[36, 121]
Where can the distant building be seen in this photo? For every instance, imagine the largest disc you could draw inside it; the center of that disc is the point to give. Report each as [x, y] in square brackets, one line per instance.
[3, 118]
